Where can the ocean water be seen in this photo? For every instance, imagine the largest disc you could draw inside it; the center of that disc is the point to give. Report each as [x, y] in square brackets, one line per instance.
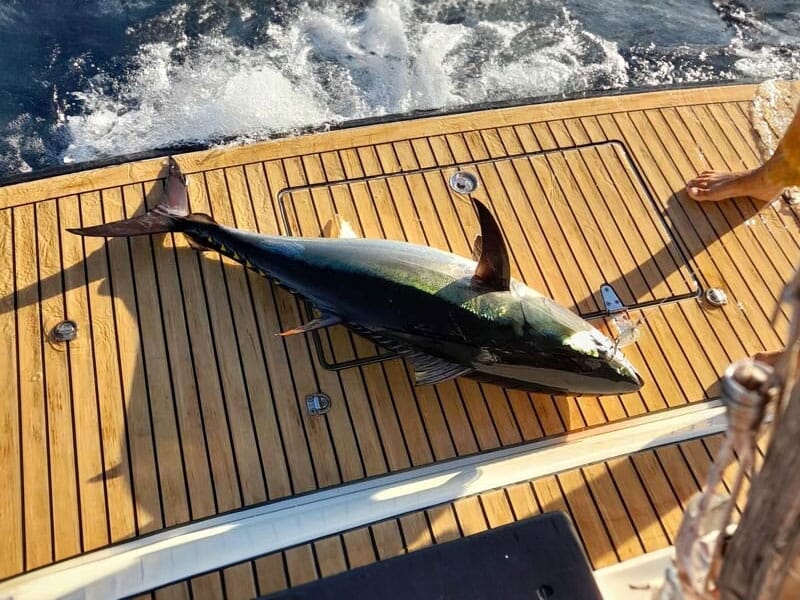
[92, 79]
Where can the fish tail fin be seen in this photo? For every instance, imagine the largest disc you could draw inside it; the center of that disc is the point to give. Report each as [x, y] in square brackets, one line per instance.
[168, 215]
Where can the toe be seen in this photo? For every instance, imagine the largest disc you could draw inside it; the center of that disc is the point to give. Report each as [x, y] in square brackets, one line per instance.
[697, 193]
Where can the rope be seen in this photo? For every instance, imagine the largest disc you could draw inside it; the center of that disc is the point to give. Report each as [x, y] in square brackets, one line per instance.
[749, 389]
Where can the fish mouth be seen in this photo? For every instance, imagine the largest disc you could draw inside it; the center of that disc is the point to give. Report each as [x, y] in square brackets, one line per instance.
[631, 384]
[625, 376]
[614, 373]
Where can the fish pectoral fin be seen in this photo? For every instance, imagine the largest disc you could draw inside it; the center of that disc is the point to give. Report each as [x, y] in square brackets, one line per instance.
[318, 323]
[428, 369]
[338, 227]
[431, 369]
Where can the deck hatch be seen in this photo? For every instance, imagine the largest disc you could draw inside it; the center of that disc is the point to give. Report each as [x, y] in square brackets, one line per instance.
[593, 197]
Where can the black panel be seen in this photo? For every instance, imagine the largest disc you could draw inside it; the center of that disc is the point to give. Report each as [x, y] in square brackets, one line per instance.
[536, 559]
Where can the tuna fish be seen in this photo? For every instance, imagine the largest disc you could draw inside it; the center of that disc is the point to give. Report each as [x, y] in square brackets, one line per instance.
[448, 315]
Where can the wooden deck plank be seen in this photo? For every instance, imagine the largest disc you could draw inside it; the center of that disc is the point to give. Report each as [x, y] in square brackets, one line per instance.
[238, 581]
[657, 486]
[316, 214]
[384, 217]
[88, 446]
[191, 440]
[180, 591]
[387, 539]
[359, 548]
[444, 526]
[639, 507]
[300, 565]
[201, 360]
[448, 208]
[427, 400]
[323, 209]
[358, 401]
[110, 351]
[470, 516]
[158, 381]
[33, 420]
[612, 508]
[271, 573]
[307, 374]
[61, 443]
[523, 501]
[11, 501]
[462, 433]
[497, 508]
[591, 526]
[250, 343]
[778, 245]
[330, 556]
[416, 531]
[530, 174]
[207, 587]
[463, 152]
[265, 296]
[495, 194]
[739, 131]
[238, 353]
[684, 320]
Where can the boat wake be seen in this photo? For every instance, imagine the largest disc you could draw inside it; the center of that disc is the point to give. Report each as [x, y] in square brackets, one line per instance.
[198, 72]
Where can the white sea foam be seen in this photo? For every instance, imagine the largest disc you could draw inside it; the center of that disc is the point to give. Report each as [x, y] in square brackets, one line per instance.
[335, 63]
[327, 66]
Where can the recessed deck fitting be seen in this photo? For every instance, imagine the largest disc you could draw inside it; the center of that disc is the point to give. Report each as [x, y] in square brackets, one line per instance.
[318, 404]
[66, 331]
[463, 182]
[716, 296]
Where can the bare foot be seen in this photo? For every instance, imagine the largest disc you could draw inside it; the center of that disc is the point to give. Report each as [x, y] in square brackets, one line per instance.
[713, 186]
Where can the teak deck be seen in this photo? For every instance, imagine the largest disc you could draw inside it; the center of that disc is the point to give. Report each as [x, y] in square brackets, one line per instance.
[178, 402]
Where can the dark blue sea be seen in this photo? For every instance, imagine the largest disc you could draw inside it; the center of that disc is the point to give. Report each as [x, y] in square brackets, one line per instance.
[91, 79]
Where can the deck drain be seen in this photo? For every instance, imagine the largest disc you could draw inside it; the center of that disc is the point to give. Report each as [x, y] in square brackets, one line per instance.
[66, 331]
[463, 182]
[318, 404]
[716, 296]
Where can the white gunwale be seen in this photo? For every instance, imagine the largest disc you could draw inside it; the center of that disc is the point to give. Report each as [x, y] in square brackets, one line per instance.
[153, 561]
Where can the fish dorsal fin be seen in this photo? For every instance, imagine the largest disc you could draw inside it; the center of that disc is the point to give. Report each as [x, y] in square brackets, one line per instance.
[477, 247]
[493, 270]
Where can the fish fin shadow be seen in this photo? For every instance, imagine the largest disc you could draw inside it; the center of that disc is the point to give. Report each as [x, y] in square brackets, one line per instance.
[112, 473]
